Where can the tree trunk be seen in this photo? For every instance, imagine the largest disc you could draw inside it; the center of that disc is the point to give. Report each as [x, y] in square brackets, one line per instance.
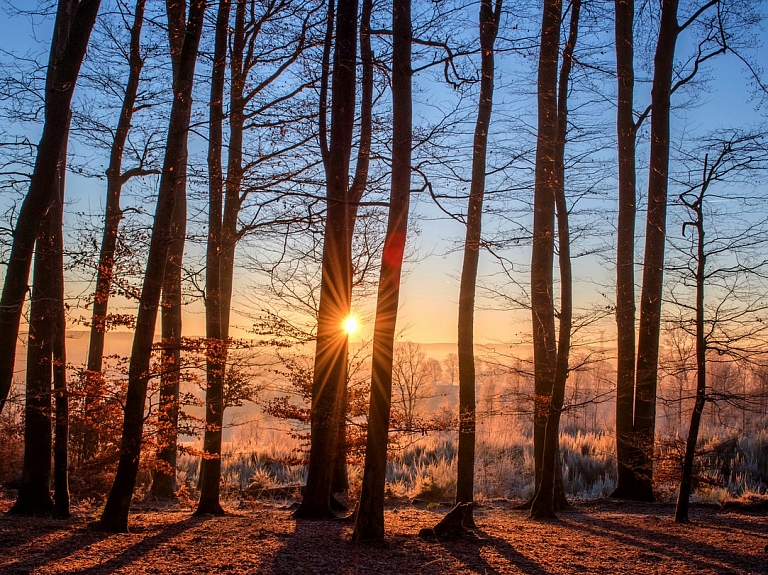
[112, 217]
[369, 524]
[115, 516]
[626, 129]
[164, 478]
[684, 495]
[653, 262]
[216, 360]
[356, 191]
[489, 25]
[330, 370]
[34, 497]
[542, 252]
[543, 504]
[71, 41]
[59, 351]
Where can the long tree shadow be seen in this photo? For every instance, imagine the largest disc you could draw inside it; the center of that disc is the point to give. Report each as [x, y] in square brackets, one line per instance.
[305, 548]
[84, 537]
[468, 552]
[141, 548]
[25, 532]
[698, 558]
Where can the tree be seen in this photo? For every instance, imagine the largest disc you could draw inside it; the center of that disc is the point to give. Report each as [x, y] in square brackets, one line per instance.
[451, 363]
[626, 129]
[257, 95]
[545, 500]
[115, 515]
[164, 478]
[735, 157]
[74, 22]
[216, 352]
[411, 377]
[720, 23]
[331, 348]
[46, 336]
[542, 251]
[369, 524]
[490, 14]
[116, 179]
[59, 351]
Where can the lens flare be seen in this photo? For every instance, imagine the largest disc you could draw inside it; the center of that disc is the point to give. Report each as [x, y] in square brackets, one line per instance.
[351, 325]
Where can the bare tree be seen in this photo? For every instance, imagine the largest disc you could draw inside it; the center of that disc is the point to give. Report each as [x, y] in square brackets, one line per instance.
[545, 500]
[116, 179]
[724, 327]
[331, 348]
[369, 524]
[74, 22]
[115, 515]
[216, 352]
[411, 377]
[490, 13]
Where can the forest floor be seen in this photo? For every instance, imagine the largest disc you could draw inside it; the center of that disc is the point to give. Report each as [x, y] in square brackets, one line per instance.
[262, 537]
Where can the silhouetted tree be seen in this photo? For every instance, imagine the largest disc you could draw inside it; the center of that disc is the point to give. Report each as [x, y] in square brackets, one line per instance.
[329, 377]
[723, 326]
[74, 22]
[490, 14]
[216, 351]
[116, 179]
[115, 516]
[546, 498]
[369, 523]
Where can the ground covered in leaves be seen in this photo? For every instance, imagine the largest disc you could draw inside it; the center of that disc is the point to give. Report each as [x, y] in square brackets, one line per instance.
[262, 537]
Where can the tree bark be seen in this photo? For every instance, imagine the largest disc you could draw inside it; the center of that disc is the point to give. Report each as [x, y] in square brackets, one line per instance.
[112, 218]
[369, 524]
[626, 129]
[544, 502]
[72, 40]
[216, 344]
[115, 516]
[59, 352]
[653, 262]
[34, 497]
[489, 25]
[356, 191]
[330, 370]
[542, 252]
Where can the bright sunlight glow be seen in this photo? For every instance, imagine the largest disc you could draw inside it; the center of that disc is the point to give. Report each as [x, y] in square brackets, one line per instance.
[351, 325]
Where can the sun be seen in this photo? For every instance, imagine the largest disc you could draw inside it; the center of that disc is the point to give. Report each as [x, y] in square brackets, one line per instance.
[351, 325]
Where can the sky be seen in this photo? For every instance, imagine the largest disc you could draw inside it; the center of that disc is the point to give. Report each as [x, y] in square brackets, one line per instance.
[428, 310]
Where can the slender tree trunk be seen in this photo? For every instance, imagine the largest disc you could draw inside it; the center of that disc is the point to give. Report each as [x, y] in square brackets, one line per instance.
[34, 497]
[330, 370]
[544, 502]
[653, 262]
[164, 478]
[215, 343]
[626, 128]
[542, 252]
[489, 25]
[59, 351]
[112, 218]
[684, 495]
[74, 22]
[356, 191]
[369, 524]
[115, 516]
